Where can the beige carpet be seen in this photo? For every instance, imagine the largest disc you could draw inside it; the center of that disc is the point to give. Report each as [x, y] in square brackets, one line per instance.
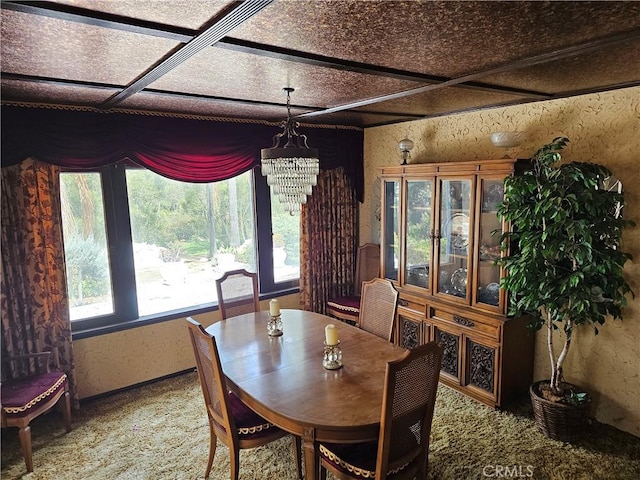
[159, 432]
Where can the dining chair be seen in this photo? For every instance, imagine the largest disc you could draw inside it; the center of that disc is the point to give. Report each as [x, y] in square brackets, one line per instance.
[347, 307]
[402, 448]
[378, 305]
[237, 293]
[30, 395]
[230, 420]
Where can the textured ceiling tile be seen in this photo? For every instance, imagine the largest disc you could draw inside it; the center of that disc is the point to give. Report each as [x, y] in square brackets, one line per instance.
[182, 13]
[20, 91]
[41, 46]
[219, 72]
[618, 64]
[440, 38]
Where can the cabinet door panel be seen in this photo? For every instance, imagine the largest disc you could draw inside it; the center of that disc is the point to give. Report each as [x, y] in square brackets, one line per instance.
[487, 293]
[454, 237]
[481, 366]
[418, 228]
[390, 250]
[451, 354]
[410, 332]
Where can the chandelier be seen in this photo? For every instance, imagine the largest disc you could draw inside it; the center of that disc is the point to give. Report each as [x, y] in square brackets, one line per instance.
[292, 169]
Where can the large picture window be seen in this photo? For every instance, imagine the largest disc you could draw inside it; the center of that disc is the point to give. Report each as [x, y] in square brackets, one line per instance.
[139, 245]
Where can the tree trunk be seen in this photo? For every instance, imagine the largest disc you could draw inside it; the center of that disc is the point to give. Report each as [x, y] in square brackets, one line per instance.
[211, 221]
[552, 360]
[234, 234]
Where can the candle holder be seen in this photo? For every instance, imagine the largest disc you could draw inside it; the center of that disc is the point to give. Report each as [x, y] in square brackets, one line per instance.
[274, 326]
[332, 358]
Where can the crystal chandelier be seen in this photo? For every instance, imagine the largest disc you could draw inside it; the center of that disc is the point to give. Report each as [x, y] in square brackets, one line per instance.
[291, 170]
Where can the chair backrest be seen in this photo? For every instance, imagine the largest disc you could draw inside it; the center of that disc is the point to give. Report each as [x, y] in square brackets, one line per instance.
[238, 293]
[367, 264]
[378, 303]
[213, 382]
[411, 383]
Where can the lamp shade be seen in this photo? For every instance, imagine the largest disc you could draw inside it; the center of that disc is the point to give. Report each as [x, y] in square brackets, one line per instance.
[405, 145]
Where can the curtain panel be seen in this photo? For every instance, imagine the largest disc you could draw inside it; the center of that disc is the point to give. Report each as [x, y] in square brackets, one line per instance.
[328, 240]
[34, 303]
[182, 149]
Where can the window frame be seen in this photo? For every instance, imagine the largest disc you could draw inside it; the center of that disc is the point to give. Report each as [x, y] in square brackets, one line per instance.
[121, 259]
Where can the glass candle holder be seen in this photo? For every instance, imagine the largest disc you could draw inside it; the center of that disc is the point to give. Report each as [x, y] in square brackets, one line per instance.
[332, 357]
[274, 326]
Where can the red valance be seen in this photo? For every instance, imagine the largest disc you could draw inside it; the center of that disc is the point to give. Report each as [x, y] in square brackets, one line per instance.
[181, 149]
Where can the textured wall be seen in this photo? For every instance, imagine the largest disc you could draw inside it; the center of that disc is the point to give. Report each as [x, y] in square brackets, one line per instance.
[602, 128]
[117, 360]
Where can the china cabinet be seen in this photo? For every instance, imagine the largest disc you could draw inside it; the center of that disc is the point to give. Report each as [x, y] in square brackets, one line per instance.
[439, 241]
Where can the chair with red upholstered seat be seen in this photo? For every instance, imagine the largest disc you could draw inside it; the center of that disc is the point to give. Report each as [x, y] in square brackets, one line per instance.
[347, 307]
[402, 448]
[230, 420]
[31, 395]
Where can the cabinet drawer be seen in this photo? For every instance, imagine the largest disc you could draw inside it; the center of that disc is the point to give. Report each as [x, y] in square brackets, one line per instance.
[466, 323]
[412, 305]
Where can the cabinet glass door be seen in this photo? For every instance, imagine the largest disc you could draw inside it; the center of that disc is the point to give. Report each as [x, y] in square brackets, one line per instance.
[390, 250]
[454, 236]
[418, 232]
[488, 244]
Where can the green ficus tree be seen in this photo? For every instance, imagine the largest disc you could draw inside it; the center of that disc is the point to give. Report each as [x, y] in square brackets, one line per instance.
[564, 264]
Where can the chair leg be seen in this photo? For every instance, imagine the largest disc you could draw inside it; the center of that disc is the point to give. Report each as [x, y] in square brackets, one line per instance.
[297, 454]
[25, 442]
[323, 473]
[234, 455]
[65, 406]
[213, 442]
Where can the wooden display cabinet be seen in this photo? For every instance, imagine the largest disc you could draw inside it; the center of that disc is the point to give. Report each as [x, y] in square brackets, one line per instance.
[439, 242]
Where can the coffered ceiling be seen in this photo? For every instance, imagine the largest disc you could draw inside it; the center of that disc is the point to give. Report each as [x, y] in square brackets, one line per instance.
[351, 62]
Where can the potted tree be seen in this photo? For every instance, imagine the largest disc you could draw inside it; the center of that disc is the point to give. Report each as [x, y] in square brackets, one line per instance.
[564, 268]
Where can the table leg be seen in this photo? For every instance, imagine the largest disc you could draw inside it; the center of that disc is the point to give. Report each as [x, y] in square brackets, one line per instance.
[311, 460]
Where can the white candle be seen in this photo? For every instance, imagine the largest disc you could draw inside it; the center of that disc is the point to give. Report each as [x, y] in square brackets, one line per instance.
[274, 307]
[331, 334]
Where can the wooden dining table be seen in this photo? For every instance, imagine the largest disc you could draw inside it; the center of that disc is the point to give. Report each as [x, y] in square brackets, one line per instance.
[282, 378]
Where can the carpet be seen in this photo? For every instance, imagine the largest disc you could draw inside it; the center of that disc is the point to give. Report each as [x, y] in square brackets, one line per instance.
[159, 431]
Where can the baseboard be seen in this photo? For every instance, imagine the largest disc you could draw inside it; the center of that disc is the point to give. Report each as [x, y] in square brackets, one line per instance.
[135, 385]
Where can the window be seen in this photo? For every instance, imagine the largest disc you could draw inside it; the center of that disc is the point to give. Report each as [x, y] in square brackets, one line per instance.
[85, 245]
[139, 245]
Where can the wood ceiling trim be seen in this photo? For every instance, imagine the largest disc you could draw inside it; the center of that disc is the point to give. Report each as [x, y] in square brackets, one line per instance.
[586, 47]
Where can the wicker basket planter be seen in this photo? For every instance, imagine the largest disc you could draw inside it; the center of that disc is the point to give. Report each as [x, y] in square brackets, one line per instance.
[558, 420]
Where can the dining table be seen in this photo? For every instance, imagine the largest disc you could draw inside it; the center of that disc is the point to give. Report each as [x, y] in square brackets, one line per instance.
[283, 378]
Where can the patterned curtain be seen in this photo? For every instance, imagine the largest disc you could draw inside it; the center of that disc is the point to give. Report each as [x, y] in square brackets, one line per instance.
[34, 303]
[328, 240]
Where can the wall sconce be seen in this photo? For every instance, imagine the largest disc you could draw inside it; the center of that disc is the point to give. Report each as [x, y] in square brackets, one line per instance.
[405, 146]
